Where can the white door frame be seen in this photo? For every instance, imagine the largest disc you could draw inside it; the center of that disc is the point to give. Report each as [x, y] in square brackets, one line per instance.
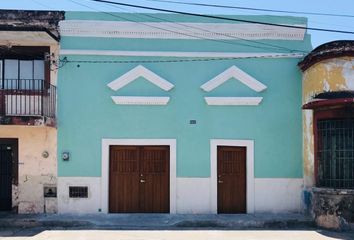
[136, 142]
[250, 194]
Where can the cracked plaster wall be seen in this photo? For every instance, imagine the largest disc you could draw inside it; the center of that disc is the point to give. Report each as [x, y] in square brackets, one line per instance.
[35, 171]
[329, 75]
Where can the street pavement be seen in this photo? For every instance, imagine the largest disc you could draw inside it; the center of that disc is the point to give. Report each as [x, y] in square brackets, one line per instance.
[56, 234]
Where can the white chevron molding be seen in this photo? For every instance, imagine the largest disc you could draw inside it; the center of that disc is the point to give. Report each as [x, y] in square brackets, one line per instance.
[137, 72]
[236, 73]
[129, 100]
[233, 101]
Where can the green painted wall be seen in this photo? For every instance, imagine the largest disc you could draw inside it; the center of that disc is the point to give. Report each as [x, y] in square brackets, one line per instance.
[86, 113]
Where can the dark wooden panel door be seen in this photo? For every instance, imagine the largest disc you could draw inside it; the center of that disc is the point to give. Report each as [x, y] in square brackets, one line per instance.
[231, 170]
[155, 179]
[5, 177]
[139, 179]
[123, 179]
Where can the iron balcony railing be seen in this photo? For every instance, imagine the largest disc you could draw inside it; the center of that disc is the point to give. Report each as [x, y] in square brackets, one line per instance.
[27, 97]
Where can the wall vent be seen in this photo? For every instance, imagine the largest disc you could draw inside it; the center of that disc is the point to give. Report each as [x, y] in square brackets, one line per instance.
[78, 192]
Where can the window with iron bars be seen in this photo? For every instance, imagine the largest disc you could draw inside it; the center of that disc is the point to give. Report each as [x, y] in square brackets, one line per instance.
[335, 153]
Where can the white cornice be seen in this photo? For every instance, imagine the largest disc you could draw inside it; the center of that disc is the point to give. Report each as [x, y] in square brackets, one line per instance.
[177, 30]
[130, 100]
[137, 72]
[236, 73]
[232, 101]
[178, 54]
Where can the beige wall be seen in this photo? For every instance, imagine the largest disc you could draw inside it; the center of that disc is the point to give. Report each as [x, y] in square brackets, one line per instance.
[35, 171]
[326, 76]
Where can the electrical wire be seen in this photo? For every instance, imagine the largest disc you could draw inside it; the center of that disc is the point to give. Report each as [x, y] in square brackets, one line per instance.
[253, 9]
[185, 34]
[66, 60]
[222, 18]
[220, 34]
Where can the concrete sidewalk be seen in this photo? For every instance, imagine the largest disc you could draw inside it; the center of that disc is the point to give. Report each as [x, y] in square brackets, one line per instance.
[159, 221]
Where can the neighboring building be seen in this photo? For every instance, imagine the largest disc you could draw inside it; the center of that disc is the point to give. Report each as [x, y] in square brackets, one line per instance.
[150, 119]
[328, 140]
[29, 42]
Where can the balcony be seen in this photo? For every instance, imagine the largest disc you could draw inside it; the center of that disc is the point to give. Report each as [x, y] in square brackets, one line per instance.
[27, 102]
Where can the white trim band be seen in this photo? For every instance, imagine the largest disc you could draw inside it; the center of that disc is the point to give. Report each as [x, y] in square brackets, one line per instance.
[178, 54]
[132, 100]
[233, 101]
[178, 30]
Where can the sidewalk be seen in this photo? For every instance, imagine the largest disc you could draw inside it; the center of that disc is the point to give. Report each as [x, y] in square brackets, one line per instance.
[159, 221]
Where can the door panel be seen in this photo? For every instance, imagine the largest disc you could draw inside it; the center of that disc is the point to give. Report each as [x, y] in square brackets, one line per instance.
[124, 175]
[5, 177]
[155, 178]
[139, 179]
[231, 169]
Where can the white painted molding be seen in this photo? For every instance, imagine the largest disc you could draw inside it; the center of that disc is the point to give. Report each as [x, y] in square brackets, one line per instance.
[178, 54]
[236, 73]
[250, 183]
[138, 142]
[137, 72]
[233, 101]
[132, 100]
[168, 30]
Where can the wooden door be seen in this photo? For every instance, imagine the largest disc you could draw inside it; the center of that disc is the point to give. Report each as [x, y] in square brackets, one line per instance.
[231, 170]
[123, 179]
[6, 177]
[139, 179]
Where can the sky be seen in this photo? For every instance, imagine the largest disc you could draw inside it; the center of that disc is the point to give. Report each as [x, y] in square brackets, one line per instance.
[344, 7]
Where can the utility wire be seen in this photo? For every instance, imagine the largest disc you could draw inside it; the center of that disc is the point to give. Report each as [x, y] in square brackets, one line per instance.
[253, 9]
[66, 60]
[222, 18]
[43, 5]
[270, 46]
[189, 35]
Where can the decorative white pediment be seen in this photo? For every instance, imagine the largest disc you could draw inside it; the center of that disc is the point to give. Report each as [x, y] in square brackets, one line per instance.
[232, 101]
[234, 73]
[130, 100]
[137, 72]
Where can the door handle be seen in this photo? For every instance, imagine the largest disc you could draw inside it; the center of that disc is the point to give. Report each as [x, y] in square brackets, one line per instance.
[142, 180]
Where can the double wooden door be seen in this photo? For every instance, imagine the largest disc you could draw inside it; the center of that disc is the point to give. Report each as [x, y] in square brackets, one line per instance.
[231, 170]
[139, 179]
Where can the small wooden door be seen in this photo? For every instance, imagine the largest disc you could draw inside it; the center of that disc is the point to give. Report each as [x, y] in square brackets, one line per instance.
[139, 179]
[231, 170]
[8, 172]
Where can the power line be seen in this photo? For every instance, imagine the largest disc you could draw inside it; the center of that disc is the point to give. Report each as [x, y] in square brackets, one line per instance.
[222, 18]
[43, 5]
[253, 9]
[66, 60]
[270, 46]
[190, 35]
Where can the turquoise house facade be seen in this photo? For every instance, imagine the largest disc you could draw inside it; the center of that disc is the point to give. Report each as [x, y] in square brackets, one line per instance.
[218, 95]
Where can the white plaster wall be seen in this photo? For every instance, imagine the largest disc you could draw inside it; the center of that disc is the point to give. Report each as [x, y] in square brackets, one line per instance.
[275, 195]
[92, 204]
[34, 170]
[193, 195]
[278, 195]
